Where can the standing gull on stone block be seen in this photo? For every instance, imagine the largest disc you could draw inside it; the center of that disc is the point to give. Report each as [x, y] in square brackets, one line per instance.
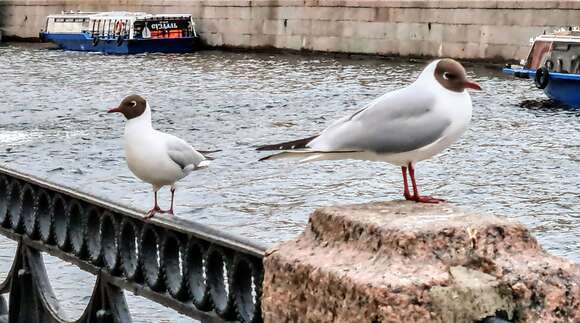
[155, 157]
[401, 127]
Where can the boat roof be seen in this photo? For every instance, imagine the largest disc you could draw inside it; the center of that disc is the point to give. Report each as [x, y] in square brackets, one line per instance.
[571, 35]
[116, 15]
[71, 14]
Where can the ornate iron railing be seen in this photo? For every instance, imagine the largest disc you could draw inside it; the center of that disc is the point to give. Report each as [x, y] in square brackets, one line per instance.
[198, 271]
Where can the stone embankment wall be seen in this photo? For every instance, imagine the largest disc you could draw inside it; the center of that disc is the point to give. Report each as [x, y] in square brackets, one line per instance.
[498, 30]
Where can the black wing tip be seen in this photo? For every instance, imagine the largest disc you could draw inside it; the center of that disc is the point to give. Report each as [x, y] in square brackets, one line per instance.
[289, 145]
[263, 148]
[271, 147]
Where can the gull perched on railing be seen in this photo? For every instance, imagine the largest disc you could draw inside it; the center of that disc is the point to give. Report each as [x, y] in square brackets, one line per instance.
[155, 157]
[401, 127]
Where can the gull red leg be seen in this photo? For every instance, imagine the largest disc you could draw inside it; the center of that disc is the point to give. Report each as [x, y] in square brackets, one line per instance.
[415, 189]
[416, 197]
[170, 211]
[406, 193]
[156, 209]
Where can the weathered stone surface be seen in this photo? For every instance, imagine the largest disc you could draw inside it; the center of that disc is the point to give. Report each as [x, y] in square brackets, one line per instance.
[398, 262]
[290, 42]
[481, 295]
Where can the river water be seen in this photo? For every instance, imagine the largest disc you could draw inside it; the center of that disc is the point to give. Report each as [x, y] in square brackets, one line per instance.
[518, 159]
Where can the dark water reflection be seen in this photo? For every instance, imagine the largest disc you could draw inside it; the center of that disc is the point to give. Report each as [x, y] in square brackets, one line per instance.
[516, 161]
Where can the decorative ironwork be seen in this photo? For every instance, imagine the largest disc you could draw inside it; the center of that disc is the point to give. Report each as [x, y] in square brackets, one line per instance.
[198, 271]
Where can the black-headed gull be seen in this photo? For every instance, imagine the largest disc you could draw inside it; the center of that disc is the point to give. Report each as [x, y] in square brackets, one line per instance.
[401, 127]
[155, 157]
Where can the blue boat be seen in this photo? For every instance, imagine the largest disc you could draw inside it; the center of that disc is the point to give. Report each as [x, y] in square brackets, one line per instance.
[121, 32]
[554, 65]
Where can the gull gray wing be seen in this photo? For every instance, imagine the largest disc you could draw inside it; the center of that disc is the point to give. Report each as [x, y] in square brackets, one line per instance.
[396, 122]
[182, 153]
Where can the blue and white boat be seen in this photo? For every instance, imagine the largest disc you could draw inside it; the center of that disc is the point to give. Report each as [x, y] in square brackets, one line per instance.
[121, 32]
[554, 64]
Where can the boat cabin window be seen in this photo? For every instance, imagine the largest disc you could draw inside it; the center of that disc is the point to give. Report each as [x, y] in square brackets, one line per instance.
[66, 24]
[163, 28]
[564, 57]
[537, 55]
[556, 56]
[110, 27]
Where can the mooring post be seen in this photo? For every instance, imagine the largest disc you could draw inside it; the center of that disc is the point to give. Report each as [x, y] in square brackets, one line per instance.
[408, 262]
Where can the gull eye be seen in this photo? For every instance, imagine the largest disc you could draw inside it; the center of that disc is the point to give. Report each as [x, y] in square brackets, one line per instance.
[133, 104]
[449, 76]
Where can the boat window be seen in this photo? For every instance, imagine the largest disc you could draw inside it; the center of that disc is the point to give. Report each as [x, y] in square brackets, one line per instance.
[109, 27]
[565, 57]
[557, 56]
[561, 46]
[537, 55]
[163, 28]
[102, 27]
[575, 59]
[120, 27]
[117, 27]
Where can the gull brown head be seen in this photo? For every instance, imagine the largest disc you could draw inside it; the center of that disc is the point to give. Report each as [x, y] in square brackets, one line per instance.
[451, 75]
[131, 106]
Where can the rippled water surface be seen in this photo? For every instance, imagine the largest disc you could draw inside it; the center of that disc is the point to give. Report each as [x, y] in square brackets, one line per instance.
[514, 161]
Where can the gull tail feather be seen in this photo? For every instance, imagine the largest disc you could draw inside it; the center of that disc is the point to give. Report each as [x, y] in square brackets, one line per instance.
[203, 164]
[287, 154]
[206, 153]
[310, 155]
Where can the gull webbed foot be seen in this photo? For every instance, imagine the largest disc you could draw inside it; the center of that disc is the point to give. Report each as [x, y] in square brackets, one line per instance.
[152, 212]
[427, 199]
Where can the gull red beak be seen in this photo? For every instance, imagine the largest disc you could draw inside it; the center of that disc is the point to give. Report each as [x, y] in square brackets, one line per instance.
[117, 109]
[471, 85]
